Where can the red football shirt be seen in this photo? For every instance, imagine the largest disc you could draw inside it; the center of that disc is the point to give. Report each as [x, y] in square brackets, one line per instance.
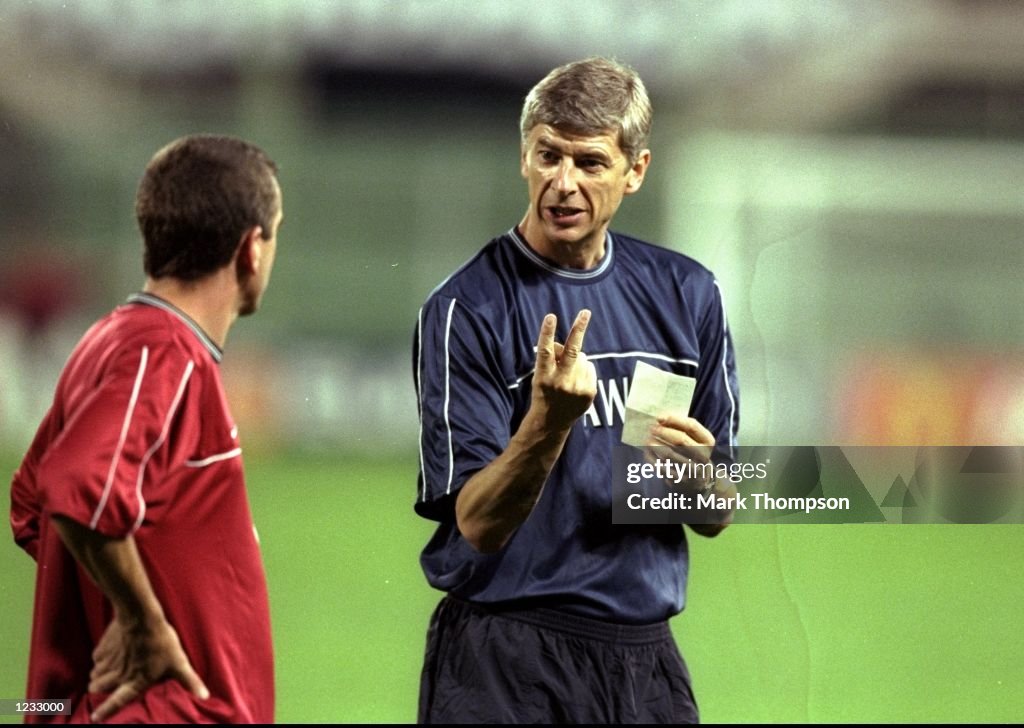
[139, 440]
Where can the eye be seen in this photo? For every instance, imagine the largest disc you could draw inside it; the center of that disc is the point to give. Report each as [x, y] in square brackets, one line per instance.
[548, 157]
[591, 164]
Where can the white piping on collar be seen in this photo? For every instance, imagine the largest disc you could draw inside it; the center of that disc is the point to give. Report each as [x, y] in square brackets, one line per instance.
[150, 300]
[559, 270]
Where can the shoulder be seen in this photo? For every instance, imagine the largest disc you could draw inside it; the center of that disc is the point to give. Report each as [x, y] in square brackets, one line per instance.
[657, 261]
[678, 278]
[135, 336]
[479, 287]
[125, 355]
[641, 252]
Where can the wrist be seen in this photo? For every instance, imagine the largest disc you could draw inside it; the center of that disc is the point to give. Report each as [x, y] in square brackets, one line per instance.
[539, 426]
[137, 618]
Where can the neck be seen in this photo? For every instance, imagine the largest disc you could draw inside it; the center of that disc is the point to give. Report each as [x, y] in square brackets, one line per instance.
[582, 254]
[208, 301]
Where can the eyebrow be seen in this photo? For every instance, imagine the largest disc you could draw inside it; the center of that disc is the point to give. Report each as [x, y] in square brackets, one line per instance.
[546, 141]
[597, 152]
[586, 151]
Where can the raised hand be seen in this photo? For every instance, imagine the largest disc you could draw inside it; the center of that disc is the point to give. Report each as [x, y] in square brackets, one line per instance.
[499, 498]
[564, 381]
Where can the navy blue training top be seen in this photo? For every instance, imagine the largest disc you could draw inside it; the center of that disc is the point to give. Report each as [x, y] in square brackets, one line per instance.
[473, 358]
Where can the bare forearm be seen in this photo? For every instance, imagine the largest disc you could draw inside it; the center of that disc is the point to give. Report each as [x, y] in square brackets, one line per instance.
[115, 566]
[499, 498]
[496, 501]
[139, 647]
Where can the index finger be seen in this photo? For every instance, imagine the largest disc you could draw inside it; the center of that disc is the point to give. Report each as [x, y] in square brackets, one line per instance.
[546, 343]
[574, 341]
[689, 425]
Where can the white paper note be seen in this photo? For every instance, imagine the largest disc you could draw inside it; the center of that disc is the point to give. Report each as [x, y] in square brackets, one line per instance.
[653, 392]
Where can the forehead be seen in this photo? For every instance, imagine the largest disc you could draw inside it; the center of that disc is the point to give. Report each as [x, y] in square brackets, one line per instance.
[607, 141]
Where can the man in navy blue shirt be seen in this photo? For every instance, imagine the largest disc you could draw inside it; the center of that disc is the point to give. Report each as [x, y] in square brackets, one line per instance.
[553, 613]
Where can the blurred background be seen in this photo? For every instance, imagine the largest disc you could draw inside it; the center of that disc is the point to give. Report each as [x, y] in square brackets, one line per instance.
[851, 171]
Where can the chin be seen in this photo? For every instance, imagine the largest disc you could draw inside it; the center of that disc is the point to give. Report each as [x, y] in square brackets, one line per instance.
[569, 235]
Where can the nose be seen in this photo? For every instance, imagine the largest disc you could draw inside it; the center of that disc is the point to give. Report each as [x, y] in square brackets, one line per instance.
[565, 177]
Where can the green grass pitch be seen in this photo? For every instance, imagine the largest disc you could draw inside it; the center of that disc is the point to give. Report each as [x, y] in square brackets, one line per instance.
[784, 623]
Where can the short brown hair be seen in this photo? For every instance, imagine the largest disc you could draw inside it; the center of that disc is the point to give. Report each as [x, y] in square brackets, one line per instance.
[197, 197]
[591, 97]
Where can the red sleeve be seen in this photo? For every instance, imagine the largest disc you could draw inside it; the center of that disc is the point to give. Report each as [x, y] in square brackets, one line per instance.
[25, 506]
[114, 441]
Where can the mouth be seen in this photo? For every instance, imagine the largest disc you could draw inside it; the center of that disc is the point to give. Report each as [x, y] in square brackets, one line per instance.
[565, 215]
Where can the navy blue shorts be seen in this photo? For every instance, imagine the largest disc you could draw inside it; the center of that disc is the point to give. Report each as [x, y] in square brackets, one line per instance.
[544, 666]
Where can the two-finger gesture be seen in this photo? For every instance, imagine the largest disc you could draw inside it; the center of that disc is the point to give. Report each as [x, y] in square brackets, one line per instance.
[564, 381]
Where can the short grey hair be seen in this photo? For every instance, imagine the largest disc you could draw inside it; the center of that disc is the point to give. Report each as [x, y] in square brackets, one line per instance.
[590, 97]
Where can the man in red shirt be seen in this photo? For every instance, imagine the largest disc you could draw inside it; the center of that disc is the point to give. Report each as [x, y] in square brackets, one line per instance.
[151, 600]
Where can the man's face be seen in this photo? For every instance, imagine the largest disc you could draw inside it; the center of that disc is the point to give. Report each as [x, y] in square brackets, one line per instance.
[576, 184]
[255, 284]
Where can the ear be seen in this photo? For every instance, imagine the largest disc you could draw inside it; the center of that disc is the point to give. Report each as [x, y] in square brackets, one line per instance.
[522, 161]
[249, 252]
[635, 175]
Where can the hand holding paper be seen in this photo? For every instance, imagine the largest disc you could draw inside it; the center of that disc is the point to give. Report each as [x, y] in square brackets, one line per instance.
[653, 392]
